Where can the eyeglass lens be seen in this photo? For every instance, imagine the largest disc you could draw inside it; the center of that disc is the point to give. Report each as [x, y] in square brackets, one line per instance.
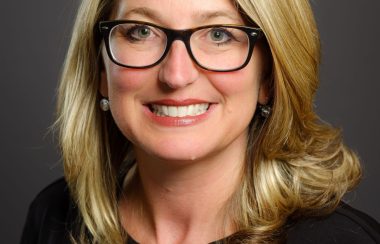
[215, 48]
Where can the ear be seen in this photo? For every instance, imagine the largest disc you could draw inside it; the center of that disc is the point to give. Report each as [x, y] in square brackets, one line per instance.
[264, 90]
[267, 76]
[103, 85]
[263, 98]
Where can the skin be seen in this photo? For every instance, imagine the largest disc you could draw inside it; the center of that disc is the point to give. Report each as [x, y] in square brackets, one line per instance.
[186, 173]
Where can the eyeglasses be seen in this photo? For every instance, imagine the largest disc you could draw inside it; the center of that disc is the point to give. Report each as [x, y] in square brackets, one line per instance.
[137, 44]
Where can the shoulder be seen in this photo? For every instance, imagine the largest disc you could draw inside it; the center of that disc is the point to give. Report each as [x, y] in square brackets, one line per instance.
[50, 215]
[55, 193]
[344, 225]
[52, 202]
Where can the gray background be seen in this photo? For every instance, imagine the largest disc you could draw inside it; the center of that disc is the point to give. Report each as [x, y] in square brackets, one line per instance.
[34, 37]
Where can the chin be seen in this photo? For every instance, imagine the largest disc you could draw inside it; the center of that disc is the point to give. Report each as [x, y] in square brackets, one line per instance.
[178, 153]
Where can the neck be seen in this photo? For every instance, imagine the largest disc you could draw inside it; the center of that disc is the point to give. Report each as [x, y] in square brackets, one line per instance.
[182, 202]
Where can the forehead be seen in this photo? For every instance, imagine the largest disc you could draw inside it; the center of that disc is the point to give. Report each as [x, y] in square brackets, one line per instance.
[179, 13]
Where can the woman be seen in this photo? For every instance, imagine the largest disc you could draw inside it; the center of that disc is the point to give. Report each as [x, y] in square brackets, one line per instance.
[205, 132]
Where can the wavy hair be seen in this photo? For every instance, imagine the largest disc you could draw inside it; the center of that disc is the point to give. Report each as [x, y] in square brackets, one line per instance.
[296, 165]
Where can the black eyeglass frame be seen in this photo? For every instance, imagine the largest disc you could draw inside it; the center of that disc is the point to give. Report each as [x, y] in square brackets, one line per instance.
[184, 35]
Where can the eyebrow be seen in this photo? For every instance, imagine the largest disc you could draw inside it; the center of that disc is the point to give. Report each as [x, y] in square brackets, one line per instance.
[209, 15]
[200, 16]
[143, 11]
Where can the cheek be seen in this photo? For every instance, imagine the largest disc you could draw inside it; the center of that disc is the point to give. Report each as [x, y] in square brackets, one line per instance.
[125, 87]
[240, 91]
[125, 80]
[121, 79]
[238, 82]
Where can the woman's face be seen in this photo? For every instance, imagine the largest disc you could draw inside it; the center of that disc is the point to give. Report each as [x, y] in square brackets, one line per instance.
[177, 83]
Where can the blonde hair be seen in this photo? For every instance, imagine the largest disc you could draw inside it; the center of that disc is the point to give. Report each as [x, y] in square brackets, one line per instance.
[295, 166]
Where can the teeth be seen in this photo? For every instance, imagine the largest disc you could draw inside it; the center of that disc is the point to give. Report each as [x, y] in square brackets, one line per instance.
[180, 111]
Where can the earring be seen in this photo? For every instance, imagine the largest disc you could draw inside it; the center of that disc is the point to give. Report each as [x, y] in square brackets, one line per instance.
[104, 104]
[265, 110]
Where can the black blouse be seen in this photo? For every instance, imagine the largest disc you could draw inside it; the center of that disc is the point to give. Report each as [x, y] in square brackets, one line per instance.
[52, 216]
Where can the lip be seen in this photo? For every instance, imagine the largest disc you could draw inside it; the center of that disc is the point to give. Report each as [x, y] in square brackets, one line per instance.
[173, 102]
[178, 121]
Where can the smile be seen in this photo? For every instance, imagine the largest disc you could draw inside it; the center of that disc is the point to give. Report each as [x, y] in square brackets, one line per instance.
[179, 111]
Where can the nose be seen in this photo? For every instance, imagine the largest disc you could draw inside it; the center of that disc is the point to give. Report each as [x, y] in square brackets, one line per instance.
[178, 69]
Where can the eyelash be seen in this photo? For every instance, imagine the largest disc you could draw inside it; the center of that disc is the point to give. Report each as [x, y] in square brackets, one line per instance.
[128, 33]
[225, 32]
[131, 34]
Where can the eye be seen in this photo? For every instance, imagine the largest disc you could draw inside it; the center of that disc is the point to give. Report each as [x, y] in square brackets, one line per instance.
[220, 35]
[139, 32]
[134, 32]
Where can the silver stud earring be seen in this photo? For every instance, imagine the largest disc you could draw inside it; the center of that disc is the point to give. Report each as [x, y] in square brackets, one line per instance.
[104, 104]
[265, 110]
